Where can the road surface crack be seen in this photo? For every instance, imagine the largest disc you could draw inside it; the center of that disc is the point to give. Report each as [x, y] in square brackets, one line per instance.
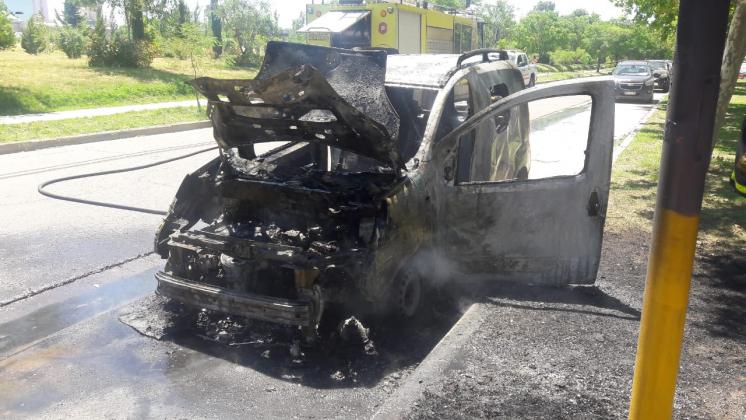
[34, 292]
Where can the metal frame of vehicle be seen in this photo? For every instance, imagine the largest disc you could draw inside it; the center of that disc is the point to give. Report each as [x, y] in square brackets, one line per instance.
[420, 216]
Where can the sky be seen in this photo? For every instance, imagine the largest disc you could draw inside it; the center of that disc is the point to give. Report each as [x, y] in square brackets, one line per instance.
[287, 10]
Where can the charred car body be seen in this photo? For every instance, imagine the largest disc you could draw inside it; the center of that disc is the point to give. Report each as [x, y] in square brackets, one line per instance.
[388, 163]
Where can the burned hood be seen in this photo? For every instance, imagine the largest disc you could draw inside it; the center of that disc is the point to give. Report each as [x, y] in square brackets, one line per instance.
[308, 93]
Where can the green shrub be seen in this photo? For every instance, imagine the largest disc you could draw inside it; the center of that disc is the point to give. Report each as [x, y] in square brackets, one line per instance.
[72, 41]
[119, 51]
[545, 68]
[7, 37]
[35, 37]
[570, 57]
[99, 52]
[128, 53]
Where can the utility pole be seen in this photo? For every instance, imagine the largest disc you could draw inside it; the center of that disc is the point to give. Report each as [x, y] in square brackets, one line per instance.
[687, 148]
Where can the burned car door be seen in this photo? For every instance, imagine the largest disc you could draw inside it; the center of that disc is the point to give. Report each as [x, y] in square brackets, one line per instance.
[546, 229]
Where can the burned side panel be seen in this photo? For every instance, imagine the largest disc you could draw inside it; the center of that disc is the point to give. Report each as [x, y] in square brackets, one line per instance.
[540, 231]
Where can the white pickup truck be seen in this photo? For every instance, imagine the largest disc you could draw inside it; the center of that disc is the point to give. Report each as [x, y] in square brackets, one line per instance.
[527, 69]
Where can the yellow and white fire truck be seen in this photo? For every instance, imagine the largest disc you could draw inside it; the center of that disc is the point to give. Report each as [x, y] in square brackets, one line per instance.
[407, 27]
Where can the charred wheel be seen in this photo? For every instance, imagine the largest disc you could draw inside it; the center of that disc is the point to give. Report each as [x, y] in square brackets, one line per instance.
[407, 294]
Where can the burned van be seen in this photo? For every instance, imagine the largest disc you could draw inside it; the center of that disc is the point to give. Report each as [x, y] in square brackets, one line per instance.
[388, 171]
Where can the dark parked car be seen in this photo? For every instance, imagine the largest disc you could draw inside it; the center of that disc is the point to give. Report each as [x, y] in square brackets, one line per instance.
[395, 167]
[634, 80]
[661, 73]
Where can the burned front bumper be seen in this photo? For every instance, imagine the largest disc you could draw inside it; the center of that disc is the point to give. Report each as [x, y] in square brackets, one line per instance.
[201, 295]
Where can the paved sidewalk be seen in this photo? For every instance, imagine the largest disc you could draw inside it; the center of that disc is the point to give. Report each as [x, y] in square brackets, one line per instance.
[92, 112]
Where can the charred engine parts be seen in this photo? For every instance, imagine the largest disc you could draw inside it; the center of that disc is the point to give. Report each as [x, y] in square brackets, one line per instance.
[281, 236]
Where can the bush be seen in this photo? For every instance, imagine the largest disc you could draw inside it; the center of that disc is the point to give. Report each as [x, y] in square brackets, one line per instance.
[72, 41]
[98, 49]
[35, 37]
[127, 53]
[119, 52]
[7, 37]
[570, 57]
[545, 68]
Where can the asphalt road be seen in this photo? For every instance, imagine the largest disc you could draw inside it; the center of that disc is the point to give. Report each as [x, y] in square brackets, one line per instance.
[64, 353]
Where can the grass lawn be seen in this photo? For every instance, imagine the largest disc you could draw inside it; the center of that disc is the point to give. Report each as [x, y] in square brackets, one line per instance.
[635, 177]
[76, 126]
[565, 75]
[52, 82]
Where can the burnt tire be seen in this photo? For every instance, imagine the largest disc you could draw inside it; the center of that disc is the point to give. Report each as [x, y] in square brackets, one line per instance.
[408, 294]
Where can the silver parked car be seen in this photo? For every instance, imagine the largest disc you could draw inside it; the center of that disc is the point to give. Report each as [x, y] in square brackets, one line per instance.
[634, 80]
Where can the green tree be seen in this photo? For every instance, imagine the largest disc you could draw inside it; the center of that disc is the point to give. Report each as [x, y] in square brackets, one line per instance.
[540, 33]
[449, 4]
[499, 22]
[136, 20]
[298, 23]
[663, 15]
[72, 41]
[544, 6]
[71, 13]
[195, 46]
[576, 24]
[99, 49]
[216, 26]
[7, 37]
[35, 37]
[250, 25]
[659, 14]
[598, 41]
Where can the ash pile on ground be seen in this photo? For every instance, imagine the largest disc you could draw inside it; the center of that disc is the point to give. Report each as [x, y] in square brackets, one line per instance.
[354, 353]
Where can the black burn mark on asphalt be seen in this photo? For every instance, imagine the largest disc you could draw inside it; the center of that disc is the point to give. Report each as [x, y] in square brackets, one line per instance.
[330, 362]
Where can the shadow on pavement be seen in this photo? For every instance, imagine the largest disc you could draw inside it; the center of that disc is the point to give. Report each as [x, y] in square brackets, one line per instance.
[726, 274]
[578, 299]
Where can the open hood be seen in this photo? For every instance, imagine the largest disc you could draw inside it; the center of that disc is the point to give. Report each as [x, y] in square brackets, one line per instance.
[308, 93]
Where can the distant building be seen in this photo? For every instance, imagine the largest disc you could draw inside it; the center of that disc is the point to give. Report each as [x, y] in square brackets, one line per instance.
[15, 22]
[23, 10]
[42, 7]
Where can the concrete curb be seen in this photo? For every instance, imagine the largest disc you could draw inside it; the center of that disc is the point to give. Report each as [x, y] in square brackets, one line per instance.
[27, 146]
[436, 365]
